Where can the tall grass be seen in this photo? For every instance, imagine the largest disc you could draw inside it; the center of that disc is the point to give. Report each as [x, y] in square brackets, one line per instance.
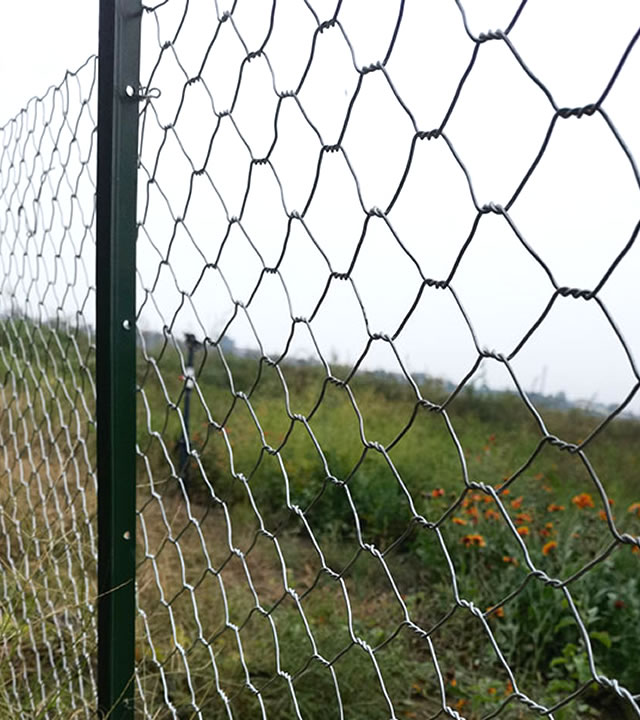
[257, 585]
[47, 524]
[270, 440]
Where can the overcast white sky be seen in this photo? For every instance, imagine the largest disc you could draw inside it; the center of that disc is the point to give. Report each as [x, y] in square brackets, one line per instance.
[577, 212]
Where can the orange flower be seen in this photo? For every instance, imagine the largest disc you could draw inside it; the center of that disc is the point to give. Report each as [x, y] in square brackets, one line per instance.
[582, 501]
[509, 560]
[437, 492]
[602, 515]
[523, 517]
[473, 540]
[509, 688]
[555, 508]
[497, 611]
[458, 521]
[548, 547]
[635, 508]
[492, 691]
[492, 514]
[523, 531]
[547, 488]
[476, 497]
[539, 476]
[543, 532]
[549, 525]
[515, 504]
[473, 513]
[635, 549]
[460, 704]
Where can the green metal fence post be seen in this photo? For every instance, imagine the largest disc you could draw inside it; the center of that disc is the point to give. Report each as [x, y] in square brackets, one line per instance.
[119, 60]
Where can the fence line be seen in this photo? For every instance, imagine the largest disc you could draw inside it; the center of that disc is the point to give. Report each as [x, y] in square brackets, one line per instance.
[47, 415]
[322, 529]
[269, 483]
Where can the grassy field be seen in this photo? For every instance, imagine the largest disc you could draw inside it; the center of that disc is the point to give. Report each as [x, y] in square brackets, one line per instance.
[369, 466]
[47, 522]
[340, 544]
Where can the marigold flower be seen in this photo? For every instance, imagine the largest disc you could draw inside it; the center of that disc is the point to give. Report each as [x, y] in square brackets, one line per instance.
[548, 547]
[492, 514]
[555, 507]
[583, 500]
[458, 520]
[544, 532]
[460, 704]
[473, 540]
[476, 497]
[492, 691]
[549, 525]
[437, 492]
[635, 508]
[523, 517]
[602, 515]
[473, 512]
[523, 531]
[516, 504]
[509, 560]
[547, 488]
[497, 611]
[509, 688]
[635, 549]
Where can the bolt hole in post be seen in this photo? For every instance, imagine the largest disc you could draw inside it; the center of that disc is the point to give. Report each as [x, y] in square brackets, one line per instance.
[189, 381]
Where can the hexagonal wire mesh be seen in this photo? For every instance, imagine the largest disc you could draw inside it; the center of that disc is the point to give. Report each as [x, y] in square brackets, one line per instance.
[329, 532]
[47, 414]
[318, 534]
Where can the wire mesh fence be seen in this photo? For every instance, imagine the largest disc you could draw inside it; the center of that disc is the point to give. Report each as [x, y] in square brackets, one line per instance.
[349, 503]
[47, 406]
[334, 534]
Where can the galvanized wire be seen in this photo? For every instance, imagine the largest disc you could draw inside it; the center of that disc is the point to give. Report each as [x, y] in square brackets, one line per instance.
[47, 405]
[183, 570]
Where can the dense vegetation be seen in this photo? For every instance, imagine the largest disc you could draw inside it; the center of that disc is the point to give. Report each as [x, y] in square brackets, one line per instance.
[429, 522]
[354, 457]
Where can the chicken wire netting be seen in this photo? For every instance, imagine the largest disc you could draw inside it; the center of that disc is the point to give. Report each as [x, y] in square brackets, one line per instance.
[369, 234]
[47, 403]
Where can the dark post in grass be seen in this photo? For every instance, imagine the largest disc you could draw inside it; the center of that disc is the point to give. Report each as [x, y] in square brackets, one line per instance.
[185, 440]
